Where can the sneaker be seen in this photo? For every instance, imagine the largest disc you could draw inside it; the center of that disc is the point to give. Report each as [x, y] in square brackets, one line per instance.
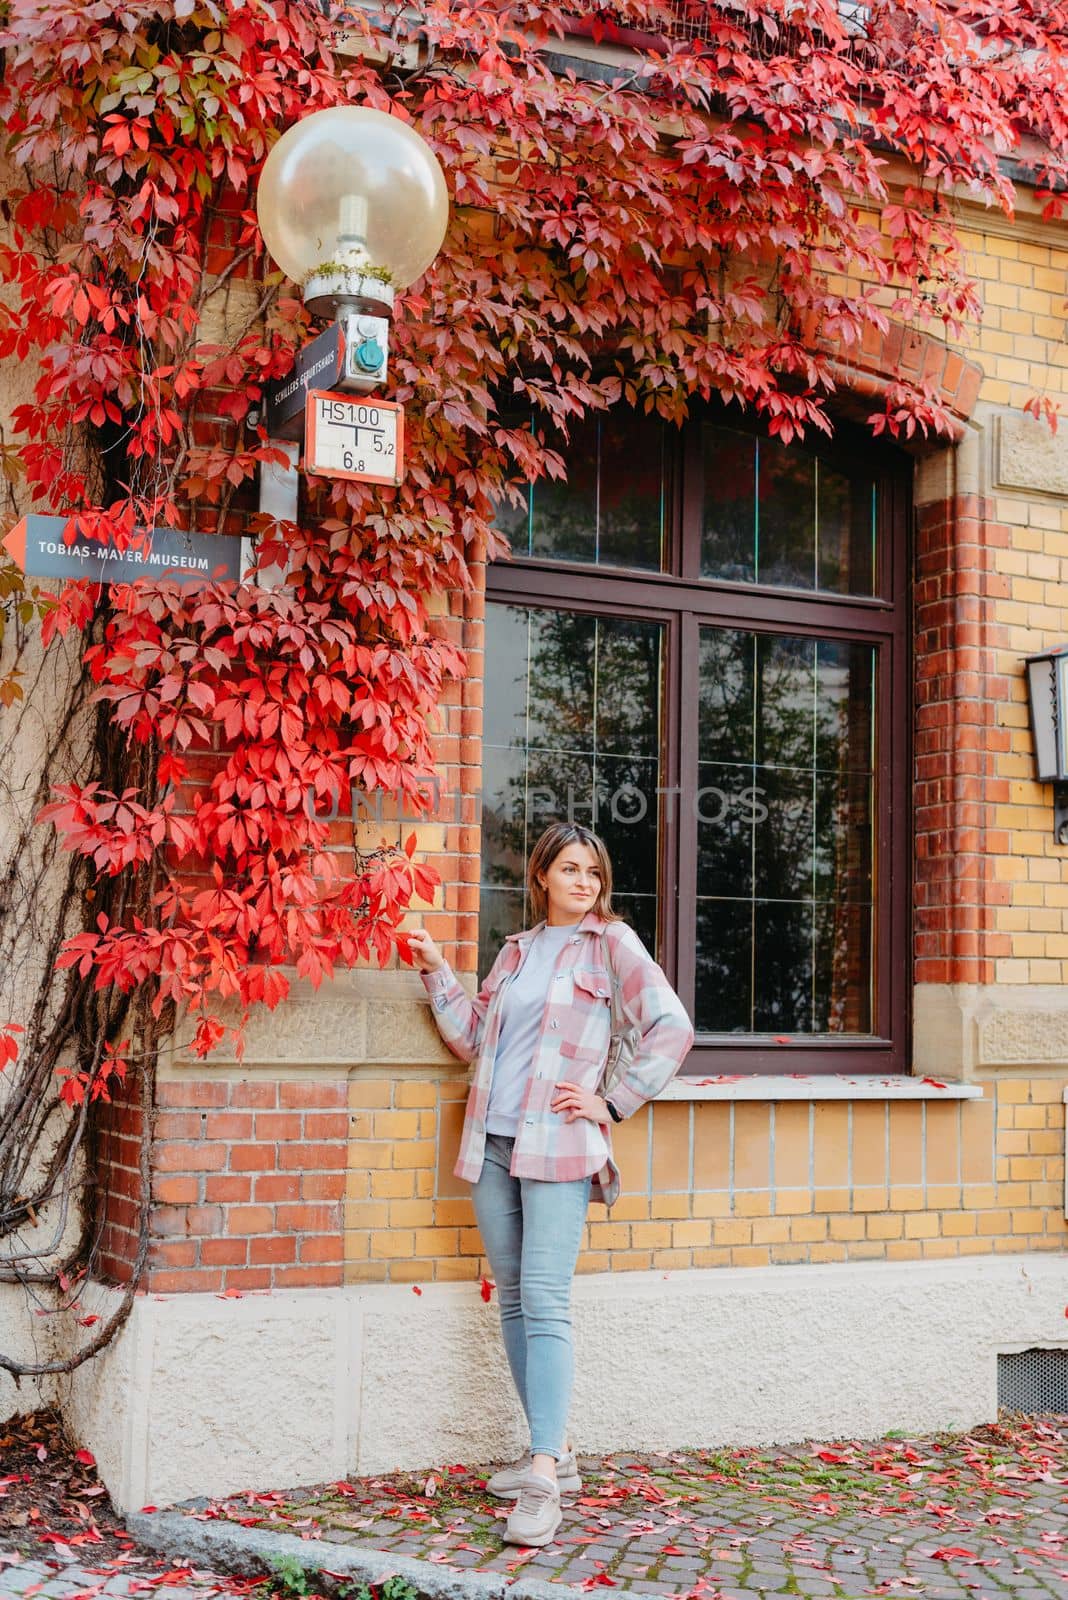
[536, 1515]
[508, 1483]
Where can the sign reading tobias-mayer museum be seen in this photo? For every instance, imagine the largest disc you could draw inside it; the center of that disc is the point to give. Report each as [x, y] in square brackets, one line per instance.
[38, 545]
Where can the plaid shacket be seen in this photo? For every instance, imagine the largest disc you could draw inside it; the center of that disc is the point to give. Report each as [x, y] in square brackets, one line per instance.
[573, 1044]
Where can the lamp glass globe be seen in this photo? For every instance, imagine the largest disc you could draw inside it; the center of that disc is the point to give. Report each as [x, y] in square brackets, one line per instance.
[352, 188]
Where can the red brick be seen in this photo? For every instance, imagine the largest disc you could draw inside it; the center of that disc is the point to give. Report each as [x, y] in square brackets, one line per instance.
[323, 1094]
[207, 1220]
[196, 1093]
[252, 1157]
[189, 1157]
[174, 1253]
[281, 1186]
[272, 1250]
[179, 1125]
[320, 1186]
[226, 1189]
[204, 1280]
[277, 1125]
[177, 1191]
[321, 1247]
[229, 1125]
[257, 1095]
[307, 1219]
[332, 1157]
[224, 1252]
[326, 1125]
[251, 1219]
[248, 1278]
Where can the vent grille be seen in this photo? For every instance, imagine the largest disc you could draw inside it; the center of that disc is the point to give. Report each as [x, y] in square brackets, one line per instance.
[1034, 1382]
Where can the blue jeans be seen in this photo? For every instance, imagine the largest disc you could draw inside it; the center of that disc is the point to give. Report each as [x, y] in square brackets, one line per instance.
[532, 1231]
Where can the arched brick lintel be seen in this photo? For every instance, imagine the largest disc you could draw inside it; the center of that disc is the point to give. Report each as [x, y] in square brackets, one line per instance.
[902, 355]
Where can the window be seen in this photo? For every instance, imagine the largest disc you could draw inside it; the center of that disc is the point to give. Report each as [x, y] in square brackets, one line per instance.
[699, 648]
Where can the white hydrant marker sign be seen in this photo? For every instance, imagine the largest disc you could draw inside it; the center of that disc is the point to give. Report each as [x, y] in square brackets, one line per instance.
[350, 436]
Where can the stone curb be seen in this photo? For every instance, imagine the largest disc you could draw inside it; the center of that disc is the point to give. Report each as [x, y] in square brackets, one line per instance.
[226, 1547]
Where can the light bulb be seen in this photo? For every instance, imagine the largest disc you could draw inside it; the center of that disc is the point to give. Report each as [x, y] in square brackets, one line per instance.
[352, 188]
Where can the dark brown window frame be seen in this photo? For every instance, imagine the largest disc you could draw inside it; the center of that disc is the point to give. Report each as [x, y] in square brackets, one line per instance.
[683, 603]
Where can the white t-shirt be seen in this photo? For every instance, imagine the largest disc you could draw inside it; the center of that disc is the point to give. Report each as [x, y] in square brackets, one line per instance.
[524, 1005]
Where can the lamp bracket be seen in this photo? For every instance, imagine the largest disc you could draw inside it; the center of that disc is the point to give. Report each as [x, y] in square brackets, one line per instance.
[1060, 813]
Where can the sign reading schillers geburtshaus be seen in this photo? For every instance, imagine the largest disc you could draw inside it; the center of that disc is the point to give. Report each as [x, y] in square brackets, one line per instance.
[36, 543]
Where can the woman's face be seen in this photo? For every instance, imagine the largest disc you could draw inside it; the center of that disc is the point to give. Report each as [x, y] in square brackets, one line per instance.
[572, 883]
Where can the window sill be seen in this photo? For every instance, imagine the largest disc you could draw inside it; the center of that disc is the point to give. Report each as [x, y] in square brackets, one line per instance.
[832, 1086]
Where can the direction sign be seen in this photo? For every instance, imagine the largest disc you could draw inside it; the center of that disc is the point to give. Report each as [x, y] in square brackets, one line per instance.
[319, 365]
[347, 436]
[36, 543]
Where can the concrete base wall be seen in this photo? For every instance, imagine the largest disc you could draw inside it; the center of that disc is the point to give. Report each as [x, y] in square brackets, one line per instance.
[207, 1395]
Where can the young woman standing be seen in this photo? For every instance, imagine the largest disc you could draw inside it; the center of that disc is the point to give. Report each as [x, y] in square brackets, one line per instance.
[536, 1130]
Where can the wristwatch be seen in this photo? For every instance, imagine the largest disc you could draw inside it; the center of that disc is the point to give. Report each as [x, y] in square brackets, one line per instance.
[615, 1115]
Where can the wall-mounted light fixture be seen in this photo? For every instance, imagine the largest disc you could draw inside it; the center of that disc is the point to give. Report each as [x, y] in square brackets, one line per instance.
[353, 206]
[1047, 688]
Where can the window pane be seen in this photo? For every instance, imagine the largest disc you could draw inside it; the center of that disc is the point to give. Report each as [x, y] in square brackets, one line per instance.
[784, 834]
[610, 509]
[573, 733]
[782, 516]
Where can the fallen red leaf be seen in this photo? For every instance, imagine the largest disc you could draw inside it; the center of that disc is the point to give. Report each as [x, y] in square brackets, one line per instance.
[86, 1457]
[487, 1287]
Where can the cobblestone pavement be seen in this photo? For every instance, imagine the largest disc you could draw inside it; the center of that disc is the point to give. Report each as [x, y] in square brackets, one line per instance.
[965, 1517]
[62, 1579]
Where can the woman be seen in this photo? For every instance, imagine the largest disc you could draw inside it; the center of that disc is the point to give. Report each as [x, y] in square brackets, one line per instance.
[536, 1128]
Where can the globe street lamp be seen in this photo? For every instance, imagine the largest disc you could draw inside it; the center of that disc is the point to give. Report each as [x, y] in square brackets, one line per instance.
[353, 206]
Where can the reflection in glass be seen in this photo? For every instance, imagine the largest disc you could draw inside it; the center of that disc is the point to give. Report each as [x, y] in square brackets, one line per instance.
[785, 834]
[784, 516]
[573, 705]
[610, 509]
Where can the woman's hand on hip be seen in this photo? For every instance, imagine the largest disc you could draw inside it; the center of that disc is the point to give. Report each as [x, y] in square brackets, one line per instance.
[573, 1101]
[425, 953]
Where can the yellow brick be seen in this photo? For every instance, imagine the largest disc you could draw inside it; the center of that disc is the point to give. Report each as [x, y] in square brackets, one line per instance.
[633, 1261]
[940, 1247]
[453, 1213]
[750, 1256]
[771, 1230]
[729, 1232]
[413, 1095]
[459, 1269]
[1028, 1220]
[789, 1254]
[1030, 1117]
[671, 1260]
[806, 1230]
[978, 1196]
[650, 1235]
[396, 1124]
[906, 1199]
[921, 1225]
[826, 1252]
[437, 1241]
[869, 1200]
[689, 1234]
[470, 1242]
[414, 1153]
[392, 1244]
[593, 1261]
[885, 1227]
[409, 1271]
[1013, 1092]
[371, 1092]
[711, 1258]
[1047, 1090]
[830, 1200]
[1047, 1194]
[366, 1153]
[631, 1208]
[903, 1250]
[708, 1205]
[943, 1197]
[357, 1245]
[366, 1271]
[670, 1205]
[847, 1227]
[1026, 1167]
[411, 1213]
[957, 1223]
[752, 1205]
[392, 1185]
[366, 1214]
[612, 1235]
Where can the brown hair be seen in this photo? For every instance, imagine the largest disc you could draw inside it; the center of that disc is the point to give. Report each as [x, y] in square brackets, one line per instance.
[557, 836]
